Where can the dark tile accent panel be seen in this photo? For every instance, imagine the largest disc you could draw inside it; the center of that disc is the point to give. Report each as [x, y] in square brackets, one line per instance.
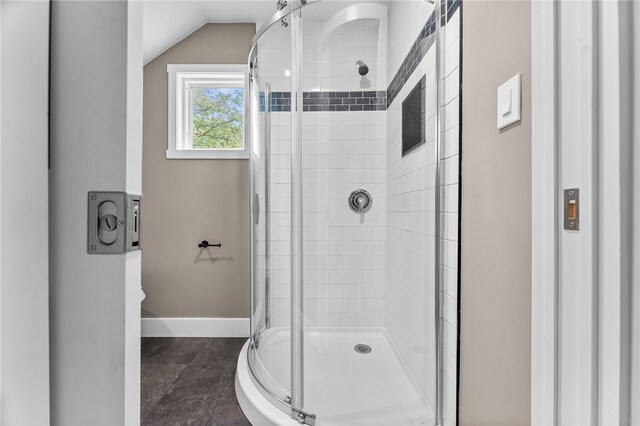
[452, 6]
[419, 49]
[343, 101]
[328, 101]
[261, 103]
[196, 392]
[280, 102]
[416, 53]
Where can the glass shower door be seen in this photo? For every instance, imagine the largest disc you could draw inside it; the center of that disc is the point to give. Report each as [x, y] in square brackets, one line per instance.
[368, 249]
[276, 352]
[345, 218]
[260, 164]
[269, 350]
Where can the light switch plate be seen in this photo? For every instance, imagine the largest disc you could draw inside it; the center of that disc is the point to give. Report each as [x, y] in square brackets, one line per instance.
[509, 105]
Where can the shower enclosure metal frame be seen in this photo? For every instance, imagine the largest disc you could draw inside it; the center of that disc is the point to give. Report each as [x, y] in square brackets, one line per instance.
[438, 239]
[289, 13]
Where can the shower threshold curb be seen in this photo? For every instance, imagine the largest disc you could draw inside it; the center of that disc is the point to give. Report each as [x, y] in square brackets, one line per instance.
[258, 409]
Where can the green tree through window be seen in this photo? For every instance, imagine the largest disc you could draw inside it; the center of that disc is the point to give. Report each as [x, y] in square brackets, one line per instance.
[217, 117]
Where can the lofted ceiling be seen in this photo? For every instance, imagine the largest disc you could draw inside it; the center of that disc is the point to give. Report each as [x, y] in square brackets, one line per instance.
[166, 22]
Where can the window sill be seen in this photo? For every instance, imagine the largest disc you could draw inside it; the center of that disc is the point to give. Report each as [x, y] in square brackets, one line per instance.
[207, 154]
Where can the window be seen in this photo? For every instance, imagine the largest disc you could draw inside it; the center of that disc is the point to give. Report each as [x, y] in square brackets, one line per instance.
[207, 106]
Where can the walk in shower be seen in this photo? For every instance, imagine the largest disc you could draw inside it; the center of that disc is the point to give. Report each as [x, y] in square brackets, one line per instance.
[354, 186]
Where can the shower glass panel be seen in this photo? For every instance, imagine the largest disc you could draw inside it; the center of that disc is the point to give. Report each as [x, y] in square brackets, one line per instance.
[271, 120]
[345, 293]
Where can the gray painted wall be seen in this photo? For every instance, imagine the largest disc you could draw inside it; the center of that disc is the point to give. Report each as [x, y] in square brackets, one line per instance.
[187, 201]
[96, 120]
[24, 262]
[495, 301]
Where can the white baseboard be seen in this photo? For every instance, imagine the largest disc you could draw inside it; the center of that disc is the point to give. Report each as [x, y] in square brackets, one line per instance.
[195, 327]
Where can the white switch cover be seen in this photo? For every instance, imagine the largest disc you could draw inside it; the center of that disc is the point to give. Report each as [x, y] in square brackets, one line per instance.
[509, 105]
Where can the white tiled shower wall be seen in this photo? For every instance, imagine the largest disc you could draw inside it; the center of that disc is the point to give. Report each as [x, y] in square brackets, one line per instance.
[328, 59]
[344, 253]
[410, 245]
[410, 271]
[330, 53]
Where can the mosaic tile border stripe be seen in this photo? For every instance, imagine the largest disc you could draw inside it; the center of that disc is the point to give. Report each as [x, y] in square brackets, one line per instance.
[370, 100]
[420, 47]
[345, 101]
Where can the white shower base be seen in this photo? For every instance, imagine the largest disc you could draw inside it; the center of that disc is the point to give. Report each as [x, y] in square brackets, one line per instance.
[342, 387]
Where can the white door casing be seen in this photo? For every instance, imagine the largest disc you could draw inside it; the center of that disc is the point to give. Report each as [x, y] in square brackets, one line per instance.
[577, 250]
[96, 145]
[616, 194]
[583, 281]
[544, 219]
[24, 247]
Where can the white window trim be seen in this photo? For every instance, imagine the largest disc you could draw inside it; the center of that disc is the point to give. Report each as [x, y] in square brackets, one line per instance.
[175, 104]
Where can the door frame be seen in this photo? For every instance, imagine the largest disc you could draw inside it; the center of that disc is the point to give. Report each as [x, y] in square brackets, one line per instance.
[24, 241]
[544, 221]
[611, 188]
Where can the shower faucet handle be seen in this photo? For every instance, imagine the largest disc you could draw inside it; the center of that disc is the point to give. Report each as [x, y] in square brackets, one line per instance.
[360, 201]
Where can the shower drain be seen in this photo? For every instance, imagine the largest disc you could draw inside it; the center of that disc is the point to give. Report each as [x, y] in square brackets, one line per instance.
[362, 348]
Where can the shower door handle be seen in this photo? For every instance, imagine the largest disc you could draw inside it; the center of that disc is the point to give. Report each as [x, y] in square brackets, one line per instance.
[256, 209]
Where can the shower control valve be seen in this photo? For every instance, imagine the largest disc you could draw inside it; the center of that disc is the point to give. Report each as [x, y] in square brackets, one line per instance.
[360, 201]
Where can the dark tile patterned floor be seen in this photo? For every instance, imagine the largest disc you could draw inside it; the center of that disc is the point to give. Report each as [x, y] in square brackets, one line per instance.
[190, 381]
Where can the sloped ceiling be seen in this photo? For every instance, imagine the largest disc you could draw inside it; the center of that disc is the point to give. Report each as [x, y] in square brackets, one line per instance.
[168, 22]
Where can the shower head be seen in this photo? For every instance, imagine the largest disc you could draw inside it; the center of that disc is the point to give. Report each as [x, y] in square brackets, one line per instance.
[363, 69]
